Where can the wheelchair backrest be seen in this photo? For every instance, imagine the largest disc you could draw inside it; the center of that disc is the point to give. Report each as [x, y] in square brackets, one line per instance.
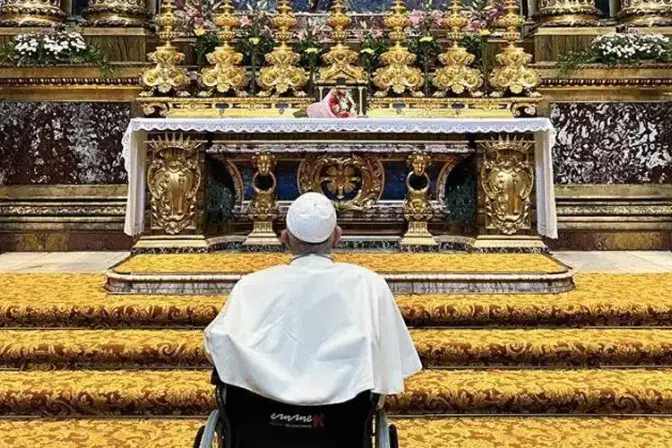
[258, 422]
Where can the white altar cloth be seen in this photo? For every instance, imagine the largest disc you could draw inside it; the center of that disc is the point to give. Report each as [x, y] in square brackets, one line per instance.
[134, 149]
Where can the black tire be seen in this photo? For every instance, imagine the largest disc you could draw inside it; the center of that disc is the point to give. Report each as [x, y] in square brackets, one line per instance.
[199, 436]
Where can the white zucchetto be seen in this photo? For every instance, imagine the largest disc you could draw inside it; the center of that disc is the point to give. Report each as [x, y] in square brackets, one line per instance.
[311, 218]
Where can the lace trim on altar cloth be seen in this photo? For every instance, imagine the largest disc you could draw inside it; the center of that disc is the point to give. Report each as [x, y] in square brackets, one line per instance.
[369, 125]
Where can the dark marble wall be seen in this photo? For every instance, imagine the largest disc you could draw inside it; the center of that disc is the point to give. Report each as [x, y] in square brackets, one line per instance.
[612, 143]
[62, 143]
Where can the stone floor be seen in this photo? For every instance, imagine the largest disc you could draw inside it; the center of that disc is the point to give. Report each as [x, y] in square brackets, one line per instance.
[92, 262]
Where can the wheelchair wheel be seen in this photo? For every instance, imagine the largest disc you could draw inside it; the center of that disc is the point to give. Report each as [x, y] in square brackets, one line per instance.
[212, 434]
[394, 439]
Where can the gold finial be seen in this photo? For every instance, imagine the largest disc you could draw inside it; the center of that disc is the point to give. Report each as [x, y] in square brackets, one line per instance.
[226, 73]
[513, 75]
[456, 75]
[398, 74]
[166, 75]
[341, 58]
[283, 74]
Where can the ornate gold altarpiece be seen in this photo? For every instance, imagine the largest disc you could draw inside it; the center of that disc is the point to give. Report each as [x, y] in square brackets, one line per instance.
[345, 159]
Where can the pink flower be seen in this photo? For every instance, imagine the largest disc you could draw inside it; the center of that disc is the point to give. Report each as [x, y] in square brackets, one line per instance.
[436, 16]
[475, 25]
[416, 18]
[245, 22]
[376, 33]
[301, 34]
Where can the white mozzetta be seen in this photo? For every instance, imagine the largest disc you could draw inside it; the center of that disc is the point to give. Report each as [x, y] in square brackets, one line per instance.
[134, 150]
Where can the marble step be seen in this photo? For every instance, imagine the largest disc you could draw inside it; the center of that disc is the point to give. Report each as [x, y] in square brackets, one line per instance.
[431, 392]
[406, 273]
[443, 432]
[438, 348]
[79, 300]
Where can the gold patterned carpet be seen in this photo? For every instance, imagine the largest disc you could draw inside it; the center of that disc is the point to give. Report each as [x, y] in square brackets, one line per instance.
[79, 300]
[379, 262]
[515, 371]
[464, 432]
[445, 347]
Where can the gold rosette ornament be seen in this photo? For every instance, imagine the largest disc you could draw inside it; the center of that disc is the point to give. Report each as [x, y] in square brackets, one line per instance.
[166, 75]
[340, 58]
[398, 74]
[512, 75]
[456, 75]
[226, 73]
[283, 74]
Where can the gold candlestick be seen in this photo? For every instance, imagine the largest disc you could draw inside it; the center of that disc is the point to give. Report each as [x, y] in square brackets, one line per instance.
[283, 74]
[398, 74]
[166, 76]
[341, 59]
[456, 75]
[226, 73]
[513, 75]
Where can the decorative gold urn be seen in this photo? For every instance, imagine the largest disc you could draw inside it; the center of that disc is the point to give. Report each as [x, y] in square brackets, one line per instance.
[263, 208]
[166, 76]
[341, 60]
[567, 13]
[456, 75]
[282, 74]
[417, 208]
[31, 13]
[116, 13]
[645, 13]
[398, 74]
[226, 74]
[512, 75]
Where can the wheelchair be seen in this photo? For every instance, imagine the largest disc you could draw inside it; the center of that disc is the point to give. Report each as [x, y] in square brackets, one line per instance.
[244, 419]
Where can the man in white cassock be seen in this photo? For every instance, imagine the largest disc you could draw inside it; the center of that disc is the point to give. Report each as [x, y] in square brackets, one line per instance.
[314, 331]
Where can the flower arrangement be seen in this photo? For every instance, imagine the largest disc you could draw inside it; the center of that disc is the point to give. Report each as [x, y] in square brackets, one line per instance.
[50, 48]
[423, 40]
[373, 44]
[311, 46]
[483, 16]
[255, 38]
[620, 48]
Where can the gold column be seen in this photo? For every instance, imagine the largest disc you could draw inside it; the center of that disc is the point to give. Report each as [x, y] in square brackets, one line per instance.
[566, 13]
[645, 13]
[263, 209]
[456, 76]
[226, 74]
[512, 74]
[283, 75]
[166, 76]
[31, 13]
[398, 73]
[340, 58]
[113, 13]
[417, 208]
